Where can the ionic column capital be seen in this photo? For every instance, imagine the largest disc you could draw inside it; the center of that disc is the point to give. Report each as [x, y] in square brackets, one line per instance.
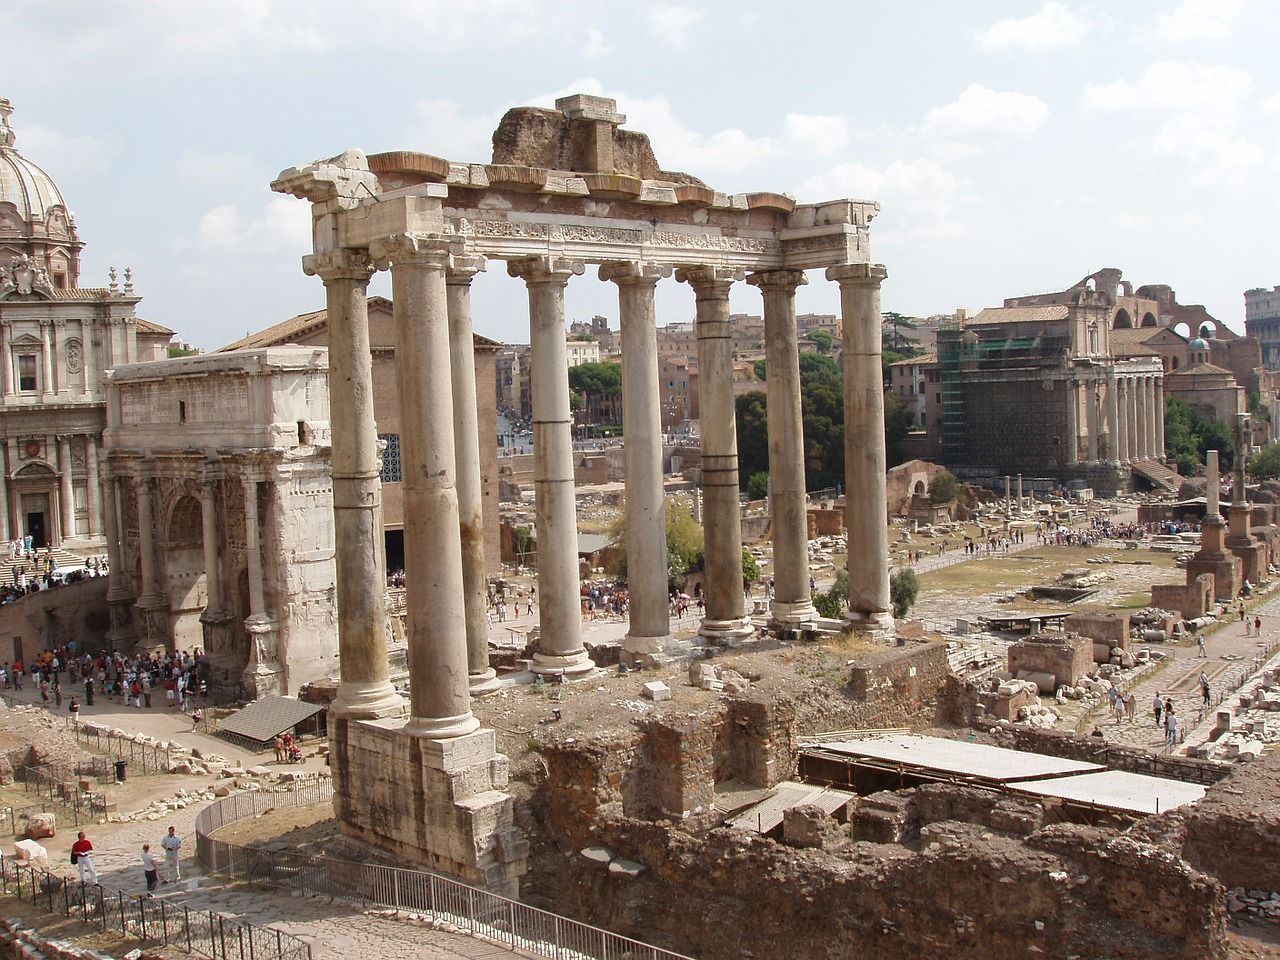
[783, 280]
[858, 274]
[403, 248]
[339, 265]
[461, 270]
[709, 283]
[553, 270]
[634, 272]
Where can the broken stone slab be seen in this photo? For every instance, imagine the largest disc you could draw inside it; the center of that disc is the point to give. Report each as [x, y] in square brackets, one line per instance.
[597, 856]
[30, 850]
[656, 690]
[42, 825]
[621, 869]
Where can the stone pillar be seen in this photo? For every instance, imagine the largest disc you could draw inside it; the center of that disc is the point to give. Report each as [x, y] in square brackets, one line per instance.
[866, 510]
[1144, 425]
[1160, 419]
[559, 589]
[60, 360]
[1211, 485]
[262, 671]
[253, 549]
[1122, 418]
[212, 546]
[788, 508]
[1131, 412]
[1022, 505]
[93, 484]
[360, 555]
[1094, 419]
[66, 493]
[4, 495]
[46, 343]
[436, 609]
[481, 677]
[1072, 438]
[1114, 453]
[649, 630]
[6, 356]
[146, 539]
[1008, 494]
[1239, 493]
[725, 618]
[90, 361]
[115, 563]
[1154, 418]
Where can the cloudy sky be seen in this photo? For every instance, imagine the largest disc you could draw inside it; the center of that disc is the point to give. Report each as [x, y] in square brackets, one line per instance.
[1014, 147]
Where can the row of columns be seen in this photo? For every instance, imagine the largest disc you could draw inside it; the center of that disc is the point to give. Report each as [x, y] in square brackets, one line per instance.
[11, 521]
[441, 484]
[1134, 414]
[56, 379]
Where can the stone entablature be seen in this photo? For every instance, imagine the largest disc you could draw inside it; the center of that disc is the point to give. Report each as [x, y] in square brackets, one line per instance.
[220, 514]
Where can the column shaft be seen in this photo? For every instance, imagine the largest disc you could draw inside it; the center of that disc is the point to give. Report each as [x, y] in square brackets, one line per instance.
[115, 564]
[360, 558]
[788, 511]
[559, 588]
[1131, 413]
[9, 384]
[1113, 419]
[90, 360]
[146, 537]
[649, 631]
[66, 493]
[253, 549]
[1142, 411]
[4, 494]
[866, 510]
[1122, 418]
[466, 444]
[1094, 418]
[725, 616]
[1160, 419]
[93, 481]
[435, 606]
[212, 546]
[1071, 442]
[46, 343]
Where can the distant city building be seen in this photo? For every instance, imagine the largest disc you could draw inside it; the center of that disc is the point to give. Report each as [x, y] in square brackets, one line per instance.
[582, 351]
[598, 328]
[1262, 321]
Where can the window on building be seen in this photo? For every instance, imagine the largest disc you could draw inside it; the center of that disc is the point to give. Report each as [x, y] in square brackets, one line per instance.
[391, 470]
[937, 398]
[27, 372]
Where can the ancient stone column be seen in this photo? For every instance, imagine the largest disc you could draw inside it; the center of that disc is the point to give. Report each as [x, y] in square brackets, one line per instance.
[212, 545]
[559, 589]
[46, 344]
[1122, 418]
[1072, 439]
[435, 602]
[649, 630]
[261, 663]
[1211, 486]
[1160, 419]
[1008, 494]
[146, 538]
[59, 353]
[6, 355]
[66, 493]
[725, 618]
[1239, 493]
[481, 678]
[1113, 419]
[788, 508]
[4, 496]
[1144, 425]
[1021, 503]
[90, 361]
[866, 510]
[1131, 412]
[364, 689]
[253, 549]
[93, 481]
[115, 588]
[1154, 418]
[1094, 419]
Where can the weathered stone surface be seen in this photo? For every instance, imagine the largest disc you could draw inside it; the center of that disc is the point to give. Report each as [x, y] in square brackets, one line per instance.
[41, 825]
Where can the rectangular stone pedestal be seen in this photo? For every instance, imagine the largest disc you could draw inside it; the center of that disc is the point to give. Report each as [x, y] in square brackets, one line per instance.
[1225, 570]
[439, 804]
[1253, 559]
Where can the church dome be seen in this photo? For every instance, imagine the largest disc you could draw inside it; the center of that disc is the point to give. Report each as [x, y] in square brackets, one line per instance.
[34, 219]
[22, 183]
[1198, 343]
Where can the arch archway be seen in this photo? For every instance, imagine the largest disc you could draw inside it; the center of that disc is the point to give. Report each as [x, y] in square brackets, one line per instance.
[1149, 319]
[186, 583]
[1182, 329]
[1122, 320]
[919, 489]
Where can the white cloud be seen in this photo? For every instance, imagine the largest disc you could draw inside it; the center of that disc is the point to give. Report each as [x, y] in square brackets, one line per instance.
[444, 130]
[671, 23]
[62, 154]
[282, 227]
[1055, 27]
[916, 196]
[981, 114]
[1272, 103]
[1199, 20]
[1215, 151]
[217, 167]
[1174, 85]
[597, 45]
[816, 133]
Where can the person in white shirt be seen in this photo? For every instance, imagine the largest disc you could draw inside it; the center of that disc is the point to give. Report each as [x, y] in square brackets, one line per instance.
[172, 844]
[149, 869]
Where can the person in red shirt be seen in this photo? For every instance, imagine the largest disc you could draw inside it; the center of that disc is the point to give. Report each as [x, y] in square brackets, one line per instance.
[82, 854]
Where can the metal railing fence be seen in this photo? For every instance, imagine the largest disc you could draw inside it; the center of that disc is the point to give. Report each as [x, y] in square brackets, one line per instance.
[440, 898]
[154, 920]
[83, 805]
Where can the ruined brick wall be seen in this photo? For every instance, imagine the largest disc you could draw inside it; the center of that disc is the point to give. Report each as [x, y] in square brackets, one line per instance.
[1070, 746]
[42, 621]
[900, 685]
[1232, 833]
[1109, 628]
[756, 741]
[1065, 657]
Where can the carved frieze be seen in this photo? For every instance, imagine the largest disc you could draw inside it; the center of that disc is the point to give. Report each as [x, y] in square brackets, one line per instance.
[74, 355]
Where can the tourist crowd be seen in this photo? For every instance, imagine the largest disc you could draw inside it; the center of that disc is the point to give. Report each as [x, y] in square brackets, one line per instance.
[131, 680]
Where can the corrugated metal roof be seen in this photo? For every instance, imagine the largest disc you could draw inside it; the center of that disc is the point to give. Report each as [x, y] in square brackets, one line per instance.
[959, 758]
[266, 719]
[1117, 790]
[767, 814]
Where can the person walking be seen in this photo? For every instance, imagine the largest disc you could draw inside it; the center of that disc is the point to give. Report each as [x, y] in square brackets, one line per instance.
[1204, 687]
[74, 708]
[172, 843]
[82, 857]
[1257, 626]
[1157, 707]
[1200, 646]
[149, 869]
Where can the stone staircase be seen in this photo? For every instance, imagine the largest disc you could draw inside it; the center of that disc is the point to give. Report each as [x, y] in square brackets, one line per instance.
[1162, 478]
[61, 557]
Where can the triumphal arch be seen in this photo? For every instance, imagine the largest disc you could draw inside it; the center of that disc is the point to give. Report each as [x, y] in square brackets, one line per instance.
[565, 188]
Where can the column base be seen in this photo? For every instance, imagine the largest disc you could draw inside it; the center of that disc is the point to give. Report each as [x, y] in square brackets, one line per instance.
[367, 701]
[638, 646]
[875, 626]
[483, 683]
[442, 728]
[789, 614]
[571, 665]
[724, 631]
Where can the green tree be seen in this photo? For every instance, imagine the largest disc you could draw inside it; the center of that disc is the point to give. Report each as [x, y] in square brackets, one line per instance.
[944, 487]
[753, 433]
[1188, 435]
[897, 424]
[684, 544]
[750, 569]
[904, 586]
[599, 389]
[758, 485]
[522, 540]
[823, 339]
[895, 333]
[832, 603]
[1265, 464]
[759, 368]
